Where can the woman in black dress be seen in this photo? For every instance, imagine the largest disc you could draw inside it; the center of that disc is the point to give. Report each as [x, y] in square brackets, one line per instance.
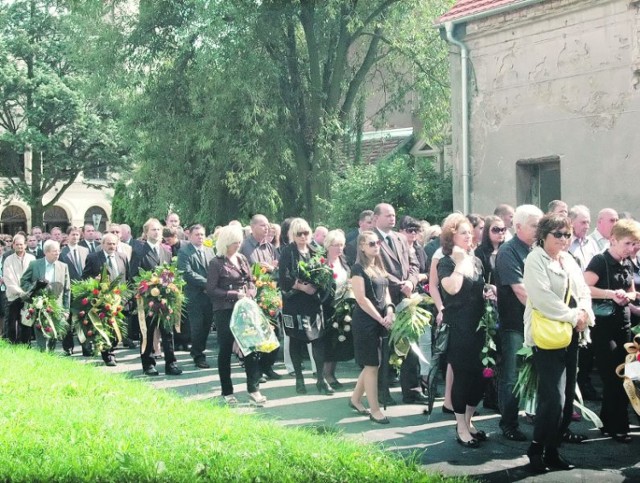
[372, 314]
[462, 281]
[610, 277]
[492, 238]
[302, 315]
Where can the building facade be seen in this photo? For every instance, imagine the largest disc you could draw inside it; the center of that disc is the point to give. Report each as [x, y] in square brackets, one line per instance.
[552, 102]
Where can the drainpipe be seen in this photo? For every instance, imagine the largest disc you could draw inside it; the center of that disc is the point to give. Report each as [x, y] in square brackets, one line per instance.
[464, 96]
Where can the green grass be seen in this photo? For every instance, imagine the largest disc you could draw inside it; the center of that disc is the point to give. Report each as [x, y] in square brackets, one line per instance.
[65, 421]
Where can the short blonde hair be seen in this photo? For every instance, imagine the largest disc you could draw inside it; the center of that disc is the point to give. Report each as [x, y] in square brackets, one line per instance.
[297, 225]
[333, 237]
[227, 236]
[148, 223]
[625, 228]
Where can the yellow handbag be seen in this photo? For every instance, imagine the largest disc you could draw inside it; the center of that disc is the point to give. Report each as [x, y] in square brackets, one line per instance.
[551, 334]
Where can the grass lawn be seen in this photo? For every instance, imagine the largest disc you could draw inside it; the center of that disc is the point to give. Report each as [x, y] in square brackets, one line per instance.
[65, 421]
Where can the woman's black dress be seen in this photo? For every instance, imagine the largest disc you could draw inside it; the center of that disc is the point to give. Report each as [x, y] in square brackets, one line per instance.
[366, 330]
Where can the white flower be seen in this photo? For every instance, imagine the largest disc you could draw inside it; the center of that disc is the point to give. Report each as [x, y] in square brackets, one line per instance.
[342, 338]
[347, 318]
[347, 328]
[335, 325]
[38, 303]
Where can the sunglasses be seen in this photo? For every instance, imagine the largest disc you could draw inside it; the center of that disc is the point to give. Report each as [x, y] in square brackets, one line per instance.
[497, 229]
[375, 243]
[412, 230]
[302, 233]
[559, 234]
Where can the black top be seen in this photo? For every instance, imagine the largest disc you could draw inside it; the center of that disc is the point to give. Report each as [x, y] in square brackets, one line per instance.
[510, 270]
[374, 287]
[619, 276]
[484, 252]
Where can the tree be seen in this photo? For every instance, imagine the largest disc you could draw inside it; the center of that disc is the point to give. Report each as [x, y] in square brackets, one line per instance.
[45, 103]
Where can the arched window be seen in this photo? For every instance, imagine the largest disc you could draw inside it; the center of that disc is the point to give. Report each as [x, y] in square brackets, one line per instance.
[13, 220]
[97, 217]
[56, 216]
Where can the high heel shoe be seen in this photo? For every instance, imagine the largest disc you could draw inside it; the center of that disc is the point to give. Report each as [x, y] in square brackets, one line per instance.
[472, 443]
[300, 387]
[363, 411]
[383, 420]
[324, 388]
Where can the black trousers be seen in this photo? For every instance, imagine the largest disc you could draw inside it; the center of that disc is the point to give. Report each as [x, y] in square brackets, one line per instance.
[16, 332]
[556, 391]
[467, 389]
[222, 319]
[409, 373]
[167, 345]
[200, 320]
[608, 347]
[297, 349]
[67, 341]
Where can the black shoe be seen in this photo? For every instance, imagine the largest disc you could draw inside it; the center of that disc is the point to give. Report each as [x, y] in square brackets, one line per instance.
[262, 380]
[324, 388]
[172, 370]
[472, 443]
[415, 398]
[202, 364]
[556, 462]
[384, 420]
[300, 387]
[480, 436]
[271, 374]
[514, 435]
[446, 410]
[537, 464]
[393, 381]
[336, 384]
[129, 344]
[68, 352]
[150, 371]
[110, 362]
[364, 411]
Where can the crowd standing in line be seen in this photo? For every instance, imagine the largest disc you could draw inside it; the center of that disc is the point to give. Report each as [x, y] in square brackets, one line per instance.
[523, 260]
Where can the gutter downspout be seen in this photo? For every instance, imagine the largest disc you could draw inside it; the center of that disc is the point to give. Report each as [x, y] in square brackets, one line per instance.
[464, 95]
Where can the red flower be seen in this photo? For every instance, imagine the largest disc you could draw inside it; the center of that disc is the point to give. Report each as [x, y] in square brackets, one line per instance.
[49, 310]
[28, 317]
[82, 313]
[89, 333]
[85, 301]
[38, 327]
[335, 275]
[47, 329]
[638, 356]
[107, 307]
[116, 291]
[102, 315]
[487, 373]
[31, 311]
[85, 322]
[322, 260]
[95, 291]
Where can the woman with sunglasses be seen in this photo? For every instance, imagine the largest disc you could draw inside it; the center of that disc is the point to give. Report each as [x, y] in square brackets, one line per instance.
[610, 277]
[557, 290]
[301, 306]
[492, 238]
[372, 314]
[463, 295]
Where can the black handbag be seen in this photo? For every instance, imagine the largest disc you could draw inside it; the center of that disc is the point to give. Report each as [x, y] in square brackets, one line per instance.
[604, 307]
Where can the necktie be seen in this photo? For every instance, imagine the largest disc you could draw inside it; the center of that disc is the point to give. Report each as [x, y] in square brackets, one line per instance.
[155, 252]
[76, 260]
[390, 243]
[201, 257]
[112, 266]
[91, 247]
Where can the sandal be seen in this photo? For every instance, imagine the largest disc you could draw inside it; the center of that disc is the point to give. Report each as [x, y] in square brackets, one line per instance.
[231, 400]
[571, 437]
[257, 398]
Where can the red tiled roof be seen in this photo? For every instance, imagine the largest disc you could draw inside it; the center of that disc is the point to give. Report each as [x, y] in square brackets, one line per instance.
[464, 8]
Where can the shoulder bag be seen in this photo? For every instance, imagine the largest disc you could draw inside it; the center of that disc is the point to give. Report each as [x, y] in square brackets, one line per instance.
[604, 307]
[551, 334]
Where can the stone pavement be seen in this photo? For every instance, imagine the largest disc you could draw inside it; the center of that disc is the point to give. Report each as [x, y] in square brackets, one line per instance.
[411, 432]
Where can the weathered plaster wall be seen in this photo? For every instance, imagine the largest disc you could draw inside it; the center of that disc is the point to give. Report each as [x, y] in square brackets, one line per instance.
[555, 79]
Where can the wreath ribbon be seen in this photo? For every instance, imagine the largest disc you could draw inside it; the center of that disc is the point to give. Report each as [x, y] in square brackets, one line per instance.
[633, 350]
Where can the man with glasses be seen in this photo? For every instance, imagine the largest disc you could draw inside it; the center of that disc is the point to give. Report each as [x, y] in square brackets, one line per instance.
[606, 219]
[512, 298]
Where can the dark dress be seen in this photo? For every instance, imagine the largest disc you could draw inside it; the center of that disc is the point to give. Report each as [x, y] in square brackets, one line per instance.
[336, 350]
[366, 330]
[609, 336]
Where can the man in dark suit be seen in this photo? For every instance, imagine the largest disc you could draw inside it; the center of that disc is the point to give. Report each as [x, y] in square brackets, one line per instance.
[365, 222]
[33, 248]
[148, 256]
[193, 261]
[75, 256]
[402, 269]
[57, 274]
[89, 238]
[118, 268]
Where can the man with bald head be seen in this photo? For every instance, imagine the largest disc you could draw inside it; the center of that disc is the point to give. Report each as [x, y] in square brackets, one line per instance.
[13, 268]
[606, 219]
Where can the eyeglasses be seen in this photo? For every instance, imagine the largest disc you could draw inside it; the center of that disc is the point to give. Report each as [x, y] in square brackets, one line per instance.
[412, 230]
[560, 234]
[302, 233]
[374, 243]
[497, 229]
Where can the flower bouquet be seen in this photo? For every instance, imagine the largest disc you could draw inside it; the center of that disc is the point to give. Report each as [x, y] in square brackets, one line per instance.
[268, 295]
[251, 328]
[489, 324]
[97, 308]
[410, 323]
[45, 314]
[317, 271]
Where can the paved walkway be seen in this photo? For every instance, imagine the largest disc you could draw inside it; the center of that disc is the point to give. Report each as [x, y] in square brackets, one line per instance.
[410, 432]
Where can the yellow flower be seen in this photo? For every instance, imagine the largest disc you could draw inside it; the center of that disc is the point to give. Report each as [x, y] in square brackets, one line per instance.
[155, 292]
[208, 242]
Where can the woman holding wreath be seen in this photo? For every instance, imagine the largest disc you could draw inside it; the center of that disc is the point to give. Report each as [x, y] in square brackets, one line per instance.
[610, 278]
[302, 315]
[557, 291]
[229, 280]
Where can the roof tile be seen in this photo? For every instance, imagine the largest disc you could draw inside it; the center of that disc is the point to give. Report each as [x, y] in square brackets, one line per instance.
[463, 8]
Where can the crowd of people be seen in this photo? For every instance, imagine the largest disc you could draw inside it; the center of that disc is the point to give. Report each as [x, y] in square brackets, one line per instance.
[528, 264]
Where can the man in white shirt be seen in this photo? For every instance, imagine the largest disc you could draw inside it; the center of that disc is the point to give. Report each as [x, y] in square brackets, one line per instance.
[13, 268]
[606, 219]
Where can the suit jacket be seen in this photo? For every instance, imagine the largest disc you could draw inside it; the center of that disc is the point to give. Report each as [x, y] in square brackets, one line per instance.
[144, 258]
[75, 273]
[193, 271]
[61, 284]
[400, 264]
[96, 245]
[38, 253]
[12, 270]
[125, 249]
[97, 260]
